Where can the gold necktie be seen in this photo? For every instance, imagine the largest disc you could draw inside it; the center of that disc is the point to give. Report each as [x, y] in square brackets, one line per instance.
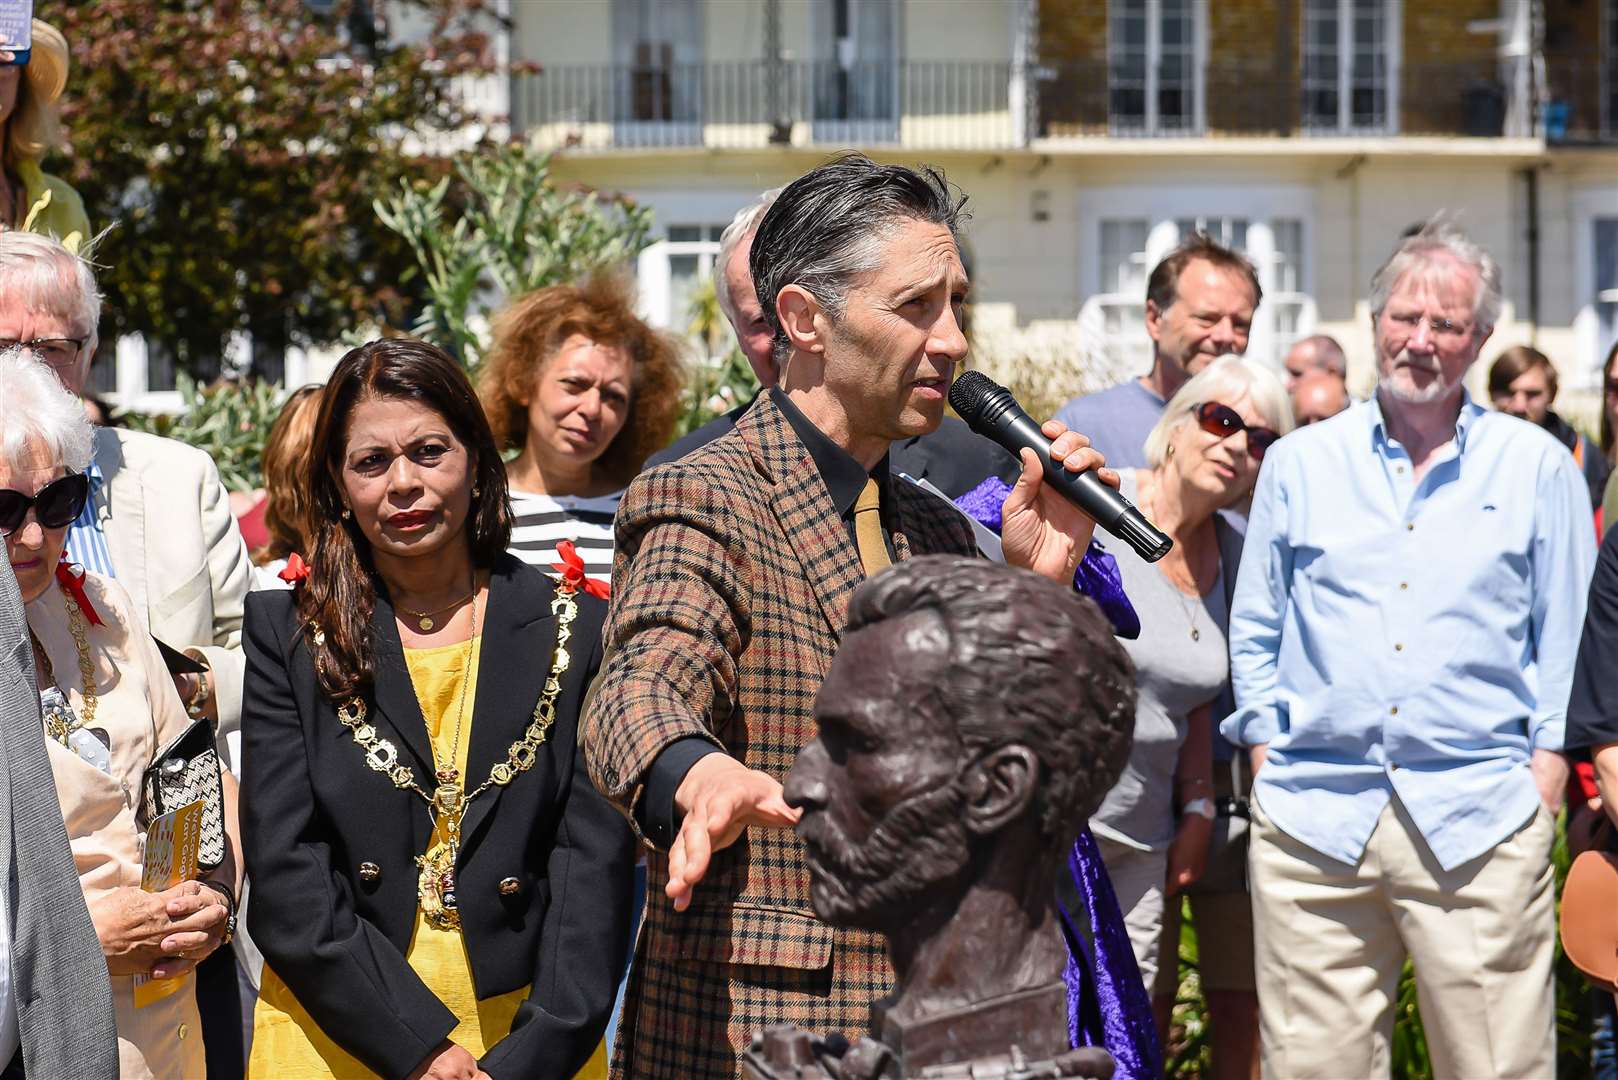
[868, 530]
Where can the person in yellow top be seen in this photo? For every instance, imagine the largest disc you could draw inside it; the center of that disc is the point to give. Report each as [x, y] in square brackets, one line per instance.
[438, 890]
[30, 127]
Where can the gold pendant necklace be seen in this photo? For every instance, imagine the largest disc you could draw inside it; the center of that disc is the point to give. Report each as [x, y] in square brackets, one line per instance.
[424, 619]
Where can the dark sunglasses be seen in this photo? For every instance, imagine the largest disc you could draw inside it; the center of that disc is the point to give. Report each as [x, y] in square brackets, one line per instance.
[56, 504]
[1224, 421]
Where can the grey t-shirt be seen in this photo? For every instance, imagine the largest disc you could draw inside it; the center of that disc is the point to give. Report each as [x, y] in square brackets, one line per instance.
[1175, 673]
[1117, 421]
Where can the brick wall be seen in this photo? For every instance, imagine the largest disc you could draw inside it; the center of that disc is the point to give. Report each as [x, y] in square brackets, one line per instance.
[1449, 83]
[1449, 78]
[1073, 51]
[1252, 66]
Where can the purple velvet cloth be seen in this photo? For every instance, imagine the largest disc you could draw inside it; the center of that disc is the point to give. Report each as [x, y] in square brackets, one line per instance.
[1107, 1002]
[1097, 576]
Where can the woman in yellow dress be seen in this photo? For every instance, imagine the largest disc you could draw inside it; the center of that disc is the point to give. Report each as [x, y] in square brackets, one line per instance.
[438, 891]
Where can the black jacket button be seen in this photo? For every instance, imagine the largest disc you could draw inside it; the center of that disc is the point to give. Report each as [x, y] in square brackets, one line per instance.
[510, 886]
[370, 871]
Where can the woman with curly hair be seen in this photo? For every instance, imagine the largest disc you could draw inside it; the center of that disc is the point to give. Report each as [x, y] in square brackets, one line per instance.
[584, 391]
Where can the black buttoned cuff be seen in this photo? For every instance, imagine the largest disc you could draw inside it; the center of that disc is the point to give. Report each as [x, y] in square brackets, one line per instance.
[656, 815]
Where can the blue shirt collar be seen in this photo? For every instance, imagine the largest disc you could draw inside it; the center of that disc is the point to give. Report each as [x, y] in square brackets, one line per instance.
[1470, 411]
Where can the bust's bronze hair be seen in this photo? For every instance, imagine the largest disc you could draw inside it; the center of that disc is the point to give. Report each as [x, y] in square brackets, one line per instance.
[974, 716]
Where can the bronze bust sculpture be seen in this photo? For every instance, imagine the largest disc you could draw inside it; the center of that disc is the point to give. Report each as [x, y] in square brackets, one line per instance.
[973, 718]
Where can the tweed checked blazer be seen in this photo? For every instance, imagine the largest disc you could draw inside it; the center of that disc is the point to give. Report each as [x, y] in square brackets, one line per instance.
[731, 582]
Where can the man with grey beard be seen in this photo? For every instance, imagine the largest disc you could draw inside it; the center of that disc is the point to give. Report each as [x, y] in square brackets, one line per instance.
[1402, 644]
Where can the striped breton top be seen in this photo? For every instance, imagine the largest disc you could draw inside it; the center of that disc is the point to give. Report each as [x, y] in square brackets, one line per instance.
[543, 521]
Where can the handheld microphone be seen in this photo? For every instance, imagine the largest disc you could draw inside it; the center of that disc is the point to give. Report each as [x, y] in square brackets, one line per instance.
[989, 409]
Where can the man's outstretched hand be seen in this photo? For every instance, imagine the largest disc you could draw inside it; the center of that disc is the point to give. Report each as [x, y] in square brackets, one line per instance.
[719, 798]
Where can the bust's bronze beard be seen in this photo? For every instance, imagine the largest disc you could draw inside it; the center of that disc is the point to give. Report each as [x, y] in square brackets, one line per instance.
[921, 844]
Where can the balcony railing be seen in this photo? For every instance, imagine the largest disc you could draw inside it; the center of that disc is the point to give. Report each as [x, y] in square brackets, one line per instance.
[975, 105]
[741, 104]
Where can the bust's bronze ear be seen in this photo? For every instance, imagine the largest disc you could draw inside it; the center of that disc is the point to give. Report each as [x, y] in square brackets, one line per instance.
[1000, 787]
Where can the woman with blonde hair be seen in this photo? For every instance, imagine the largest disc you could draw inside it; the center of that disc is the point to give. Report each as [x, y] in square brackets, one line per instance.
[584, 391]
[30, 127]
[1204, 454]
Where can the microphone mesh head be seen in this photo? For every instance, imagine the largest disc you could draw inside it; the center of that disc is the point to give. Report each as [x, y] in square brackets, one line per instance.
[971, 392]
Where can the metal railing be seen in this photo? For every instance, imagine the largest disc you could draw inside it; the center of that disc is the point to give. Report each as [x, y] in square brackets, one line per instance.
[752, 103]
[989, 105]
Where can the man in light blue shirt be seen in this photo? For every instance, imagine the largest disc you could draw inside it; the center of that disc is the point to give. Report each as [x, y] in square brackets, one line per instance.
[1402, 644]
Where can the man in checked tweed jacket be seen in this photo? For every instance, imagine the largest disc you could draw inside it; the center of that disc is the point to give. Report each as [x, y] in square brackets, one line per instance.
[733, 571]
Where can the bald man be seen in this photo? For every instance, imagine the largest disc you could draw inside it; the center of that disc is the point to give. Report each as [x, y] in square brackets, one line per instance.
[1317, 353]
[1317, 395]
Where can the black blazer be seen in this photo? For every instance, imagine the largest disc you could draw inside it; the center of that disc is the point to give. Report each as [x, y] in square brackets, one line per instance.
[544, 875]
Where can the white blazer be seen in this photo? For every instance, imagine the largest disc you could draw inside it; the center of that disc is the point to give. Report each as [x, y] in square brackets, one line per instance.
[177, 551]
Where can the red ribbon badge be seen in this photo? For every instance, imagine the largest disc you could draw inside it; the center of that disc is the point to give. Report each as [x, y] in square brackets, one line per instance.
[572, 570]
[295, 570]
[74, 584]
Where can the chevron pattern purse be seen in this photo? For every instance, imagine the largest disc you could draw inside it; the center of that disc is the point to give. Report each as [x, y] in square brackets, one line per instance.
[185, 771]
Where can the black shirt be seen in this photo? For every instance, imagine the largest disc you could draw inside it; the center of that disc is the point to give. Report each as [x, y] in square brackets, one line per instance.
[1592, 708]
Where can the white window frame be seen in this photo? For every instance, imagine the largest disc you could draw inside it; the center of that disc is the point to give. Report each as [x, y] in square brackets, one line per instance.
[844, 53]
[1161, 206]
[1590, 205]
[652, 273]
[1392, 44]
[1151, 124]
[679, 130]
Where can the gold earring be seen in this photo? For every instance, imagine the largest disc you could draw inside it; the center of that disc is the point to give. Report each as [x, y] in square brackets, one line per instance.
[347, 513]
[476, 491]
[1171, 450]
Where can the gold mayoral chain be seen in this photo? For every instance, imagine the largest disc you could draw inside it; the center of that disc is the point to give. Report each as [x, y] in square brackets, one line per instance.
[447, 802]
[61, 724]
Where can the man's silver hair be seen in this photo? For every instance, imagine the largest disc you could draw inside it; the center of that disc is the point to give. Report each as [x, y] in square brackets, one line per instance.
[740, 228]
[36, 408]
[44, 276]
[1437, 240]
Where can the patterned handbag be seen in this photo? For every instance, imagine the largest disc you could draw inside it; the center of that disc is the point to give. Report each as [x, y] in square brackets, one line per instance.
[185, 771]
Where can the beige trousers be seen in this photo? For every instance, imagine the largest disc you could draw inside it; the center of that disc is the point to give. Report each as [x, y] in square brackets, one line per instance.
[1331, 939]
[1137, 880]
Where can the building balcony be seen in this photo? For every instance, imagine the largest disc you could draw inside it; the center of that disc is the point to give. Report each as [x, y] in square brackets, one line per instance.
[757, 103]
[992, 106]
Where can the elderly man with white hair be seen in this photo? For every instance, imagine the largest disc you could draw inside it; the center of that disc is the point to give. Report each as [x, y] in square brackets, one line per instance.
[952, 459]
[1402, 644]
[158, 519]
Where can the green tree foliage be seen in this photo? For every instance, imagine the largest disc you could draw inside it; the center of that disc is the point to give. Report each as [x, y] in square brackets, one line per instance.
[499, 228]
[229, 420]
[235, 147]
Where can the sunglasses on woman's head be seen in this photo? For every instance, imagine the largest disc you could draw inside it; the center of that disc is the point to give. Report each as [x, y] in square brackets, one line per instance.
[1224, 421]
[55, 505]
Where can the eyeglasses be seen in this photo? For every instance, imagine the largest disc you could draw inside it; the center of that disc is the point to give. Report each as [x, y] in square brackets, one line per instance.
[1446, 329]
[55, 505]
[1224, 421]
[55, 351]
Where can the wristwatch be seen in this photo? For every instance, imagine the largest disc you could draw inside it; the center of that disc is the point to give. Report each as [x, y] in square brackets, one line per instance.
[230, 907]
[196, 706]
[1203, 807]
